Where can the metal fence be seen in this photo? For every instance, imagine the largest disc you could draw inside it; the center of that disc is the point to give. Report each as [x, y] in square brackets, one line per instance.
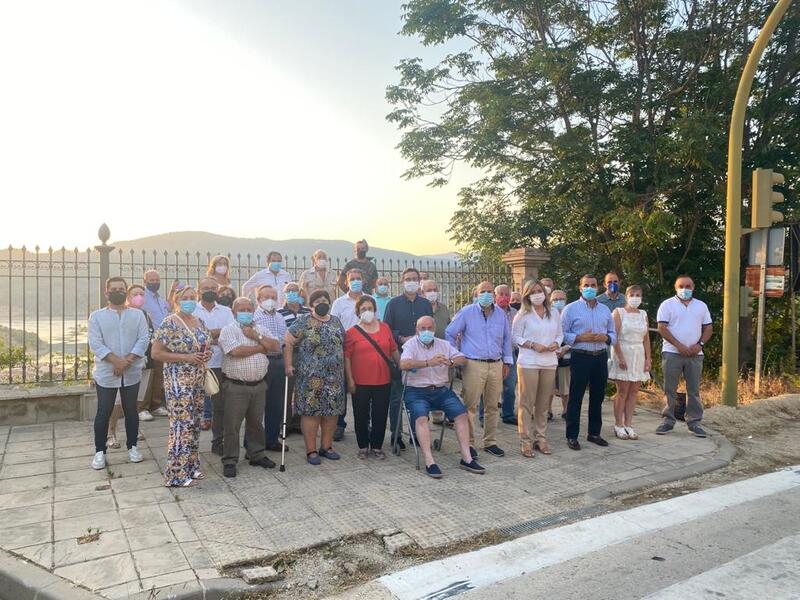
[46, 297]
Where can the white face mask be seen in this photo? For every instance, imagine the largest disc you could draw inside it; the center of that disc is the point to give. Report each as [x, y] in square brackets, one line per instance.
[220, 269]
[268, 305]
[547, 290]
[634, 301]
[411, 287]
[322, 263]
[432, 296]
[368, 316]
[537, 299]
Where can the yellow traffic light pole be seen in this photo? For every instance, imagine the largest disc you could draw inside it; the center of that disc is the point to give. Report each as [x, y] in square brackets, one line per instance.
[733, 225]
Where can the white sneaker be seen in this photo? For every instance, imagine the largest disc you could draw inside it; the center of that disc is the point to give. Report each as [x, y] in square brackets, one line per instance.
[632, 435]
[161, 412]
[99, 461]
[620, 432]
[134, 455]
[145, 416]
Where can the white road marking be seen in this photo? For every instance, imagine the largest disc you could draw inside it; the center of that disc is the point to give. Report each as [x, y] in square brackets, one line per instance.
[455, 575]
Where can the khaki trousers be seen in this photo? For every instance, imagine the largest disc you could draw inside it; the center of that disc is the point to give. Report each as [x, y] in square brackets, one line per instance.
[243, 403]
[153, 396]
[535, 391]
[483, 379]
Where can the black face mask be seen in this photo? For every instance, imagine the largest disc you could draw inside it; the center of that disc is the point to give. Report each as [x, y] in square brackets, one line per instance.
[515, 305]
[361, 254]
[210, 296]
[117, 298]
[322, 309]
[225, 300]
[154, 287]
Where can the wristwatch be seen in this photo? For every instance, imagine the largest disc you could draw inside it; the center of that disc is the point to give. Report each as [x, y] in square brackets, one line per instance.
[702, 344]
[260, 337]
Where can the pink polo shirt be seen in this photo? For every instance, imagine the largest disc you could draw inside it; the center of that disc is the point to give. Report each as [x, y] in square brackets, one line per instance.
[413, 349]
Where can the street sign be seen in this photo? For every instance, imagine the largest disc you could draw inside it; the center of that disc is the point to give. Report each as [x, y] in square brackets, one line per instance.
[775, 246]
[774, 282]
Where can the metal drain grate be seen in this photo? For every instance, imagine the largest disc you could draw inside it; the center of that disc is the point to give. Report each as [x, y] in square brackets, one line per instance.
[550, 520]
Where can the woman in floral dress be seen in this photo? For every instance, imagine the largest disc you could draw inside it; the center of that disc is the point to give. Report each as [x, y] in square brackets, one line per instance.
[181, 343]
[319, 393]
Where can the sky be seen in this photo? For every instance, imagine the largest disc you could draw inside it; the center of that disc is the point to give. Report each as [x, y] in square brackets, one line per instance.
[251, 118]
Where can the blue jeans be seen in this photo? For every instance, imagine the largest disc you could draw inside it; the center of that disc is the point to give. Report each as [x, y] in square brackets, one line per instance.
[421, 401]
[510, 392]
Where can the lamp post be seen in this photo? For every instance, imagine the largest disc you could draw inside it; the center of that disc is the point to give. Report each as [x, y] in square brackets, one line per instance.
[733, 222]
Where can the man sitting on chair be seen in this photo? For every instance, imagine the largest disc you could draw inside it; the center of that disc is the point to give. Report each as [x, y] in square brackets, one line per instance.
[427, 361]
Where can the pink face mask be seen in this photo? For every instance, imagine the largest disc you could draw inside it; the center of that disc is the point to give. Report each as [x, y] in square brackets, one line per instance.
[503, 301]
[136, 301]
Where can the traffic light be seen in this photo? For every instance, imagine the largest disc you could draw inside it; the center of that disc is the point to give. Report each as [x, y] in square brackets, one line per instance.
[764, 197]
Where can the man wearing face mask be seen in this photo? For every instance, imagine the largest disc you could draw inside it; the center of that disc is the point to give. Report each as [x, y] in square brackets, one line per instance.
[344, 307]
[485, 339]
[441, 315]
[157, 309]
[611, 298]
[382, 295]
[401, 316]
[548, 286]
[273, 275]
[363, 263]
[245, 347]
[118, 337]
[516, 300]
[558, 300]
[508, 414]
[588, 328]
[268, 318]
[292, 308]
[684, 323]
[214, 316]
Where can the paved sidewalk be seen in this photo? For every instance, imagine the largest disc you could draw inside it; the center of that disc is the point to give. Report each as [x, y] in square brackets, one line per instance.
[152, 536]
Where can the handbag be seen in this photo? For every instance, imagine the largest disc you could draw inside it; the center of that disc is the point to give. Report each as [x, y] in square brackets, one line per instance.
[395, 372]
[210, 381]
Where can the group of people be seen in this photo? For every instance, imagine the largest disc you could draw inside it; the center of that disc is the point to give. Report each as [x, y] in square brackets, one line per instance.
[303, 344]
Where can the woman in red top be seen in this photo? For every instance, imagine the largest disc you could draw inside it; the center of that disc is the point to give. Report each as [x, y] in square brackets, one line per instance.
[368, 376]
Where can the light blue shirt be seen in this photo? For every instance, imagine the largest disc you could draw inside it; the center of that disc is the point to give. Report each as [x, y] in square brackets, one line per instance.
[483, 337]
[382, 301]
[580, 317]
[156, 307]
[122, 333]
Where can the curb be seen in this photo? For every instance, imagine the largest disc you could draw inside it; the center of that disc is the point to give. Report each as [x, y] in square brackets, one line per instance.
[725, 453]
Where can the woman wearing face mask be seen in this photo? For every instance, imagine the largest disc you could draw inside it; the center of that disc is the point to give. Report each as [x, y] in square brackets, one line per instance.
[537, 332]
[558, 300]
[319, 393]
[369, 379]
[182, 344]
[319, 276]
[219, 269]
[629, 364]
[225, 296]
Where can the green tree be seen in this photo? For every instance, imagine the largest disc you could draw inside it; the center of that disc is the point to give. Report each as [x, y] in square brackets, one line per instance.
[600, 127]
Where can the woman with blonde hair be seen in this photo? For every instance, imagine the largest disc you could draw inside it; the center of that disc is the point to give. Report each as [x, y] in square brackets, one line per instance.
[219, 269]
[319, 277]
[537, 332]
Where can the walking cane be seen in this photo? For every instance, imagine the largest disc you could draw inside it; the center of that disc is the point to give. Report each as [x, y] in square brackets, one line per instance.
[283, 426]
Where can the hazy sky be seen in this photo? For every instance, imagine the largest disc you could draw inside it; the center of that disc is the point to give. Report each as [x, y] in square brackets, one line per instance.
[249, 118]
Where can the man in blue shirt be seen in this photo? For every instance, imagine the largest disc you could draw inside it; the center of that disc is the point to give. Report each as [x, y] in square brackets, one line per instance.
[482, 332]
[118, 337]
[589, 329]
[156, 308]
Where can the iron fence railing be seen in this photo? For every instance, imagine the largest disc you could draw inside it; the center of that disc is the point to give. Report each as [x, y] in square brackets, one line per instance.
[46, 297]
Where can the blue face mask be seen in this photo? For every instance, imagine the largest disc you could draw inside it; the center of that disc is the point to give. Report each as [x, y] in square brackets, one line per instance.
[275, 266]
[188, 306]
[485, 299]
[426, 336]
[684, 293]
[244, 318]
[383, 289]
[613, 287]
[356, 285]
[559, 305]
[589, 293]
[294, 298]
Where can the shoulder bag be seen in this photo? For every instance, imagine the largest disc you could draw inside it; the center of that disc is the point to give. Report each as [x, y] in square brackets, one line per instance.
[210, 381]
[394, 369]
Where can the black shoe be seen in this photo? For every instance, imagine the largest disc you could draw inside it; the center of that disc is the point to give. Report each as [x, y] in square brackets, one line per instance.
[495, 450]
[276, 447]
[549, 415]
[698, 431]
[564, 416]
[663, 429]
[338, 435]
[400, 444]
[472, 467]
[217, 450]
[596, 439]
[472, 452]
[510, 421]
[433, 471]
[229, 470]
[573, 444]
[263, 462]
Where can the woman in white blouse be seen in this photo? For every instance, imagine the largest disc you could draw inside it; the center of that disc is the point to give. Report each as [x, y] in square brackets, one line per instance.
[537, 332]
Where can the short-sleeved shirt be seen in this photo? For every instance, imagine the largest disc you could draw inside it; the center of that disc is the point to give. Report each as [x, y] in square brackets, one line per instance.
[244, 368]
[216, 318]
[315, 281]
[369, 270]
[344, 309]
[290, 316]
[611, 303]
[684, 321]
[369, 367]
[413, 349]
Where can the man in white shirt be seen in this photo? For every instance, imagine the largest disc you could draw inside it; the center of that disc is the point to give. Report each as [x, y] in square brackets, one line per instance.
[344, 307]
[214, 316]
[684, 323]
[244, 366]
[273, 275]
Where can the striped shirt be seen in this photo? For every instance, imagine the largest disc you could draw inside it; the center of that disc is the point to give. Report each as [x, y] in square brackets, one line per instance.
[290, 317]
[274, 323]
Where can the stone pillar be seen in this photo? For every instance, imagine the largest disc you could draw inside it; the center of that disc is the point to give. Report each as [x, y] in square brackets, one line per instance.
[105, 259]
[525, 263]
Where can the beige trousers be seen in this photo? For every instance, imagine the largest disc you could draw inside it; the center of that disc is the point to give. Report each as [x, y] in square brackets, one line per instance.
[483, 379]
[535, 391]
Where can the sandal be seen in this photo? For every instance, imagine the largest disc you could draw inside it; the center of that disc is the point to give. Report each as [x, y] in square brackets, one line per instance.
[189, 483]
[198, 475]
[313, 458]
[543, 447]
[363, 453]
[621, 433]
[527, 450]
[112, 442]
[632, 435]
[378, 453]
